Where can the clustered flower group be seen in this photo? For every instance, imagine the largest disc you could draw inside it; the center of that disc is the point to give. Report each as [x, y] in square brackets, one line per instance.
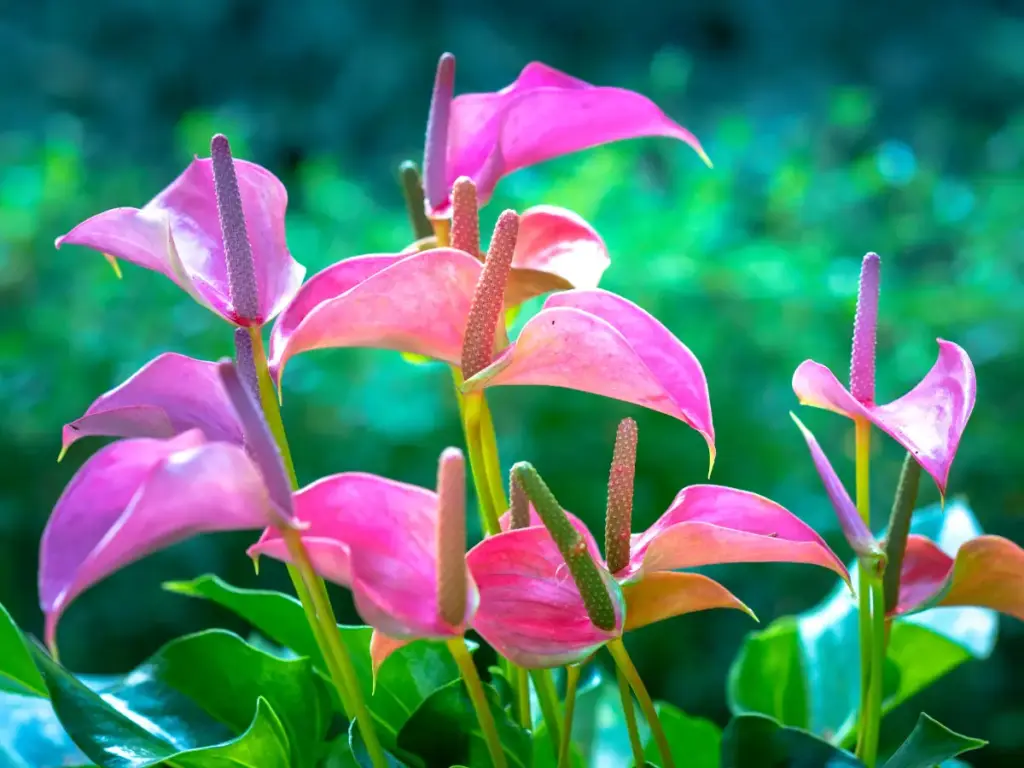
[201, 442]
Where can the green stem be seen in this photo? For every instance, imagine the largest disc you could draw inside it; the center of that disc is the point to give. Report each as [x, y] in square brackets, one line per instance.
[625, 665]
[338, 662]
[572, 679]
[862, 455]
[873, 709]
[864, 633]
[548, 698]
[521, 691]
[475, 688]
[492, 463]
[472, 414]
[309, 587]
[635, 743]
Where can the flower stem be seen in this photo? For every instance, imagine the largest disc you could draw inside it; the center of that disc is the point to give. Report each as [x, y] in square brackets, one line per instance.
[548, 698]
[309, 587]
[475, 688]
[521, 689]
[625, 665]
[338, 662]
[629, 714]
[862, 452]
[492, 463]
[572, 679]
[873, 707]
[472, 414]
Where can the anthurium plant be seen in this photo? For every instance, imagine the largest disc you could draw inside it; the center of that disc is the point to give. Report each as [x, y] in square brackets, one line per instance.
[485, 653]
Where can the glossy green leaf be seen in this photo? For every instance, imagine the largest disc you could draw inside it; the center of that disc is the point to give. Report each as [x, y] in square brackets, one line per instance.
[758, 740]
[118, 730]
[404, 680]
[444, 731]
[694, 741]
[929, 744]
[17, 672]
[278, 616]
[804, 670]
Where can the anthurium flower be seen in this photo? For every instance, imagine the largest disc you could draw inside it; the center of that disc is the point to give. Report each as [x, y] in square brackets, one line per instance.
[530, 612]
[589, 340]
[418, 301]
[928, 421]
[392, 544]
[544, 114]
[178, 233]
[556, 249]
[136, 496]
[169, 395]
[987, 571]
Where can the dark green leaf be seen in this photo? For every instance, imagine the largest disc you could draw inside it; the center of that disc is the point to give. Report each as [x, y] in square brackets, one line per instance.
[197, 691]
[758, 741]
[408, 676]
[929, 744]
[694, 741]
[263, 745]
[17, 672]
[445, 731]
[804, 671]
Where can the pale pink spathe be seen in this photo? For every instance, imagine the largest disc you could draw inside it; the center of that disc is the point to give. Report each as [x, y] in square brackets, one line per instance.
[136, 496]
[378, 537]
[169, 395]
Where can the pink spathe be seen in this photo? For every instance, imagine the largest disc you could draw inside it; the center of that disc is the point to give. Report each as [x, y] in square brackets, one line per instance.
[544, 114]
[928, 421]
[178, 234]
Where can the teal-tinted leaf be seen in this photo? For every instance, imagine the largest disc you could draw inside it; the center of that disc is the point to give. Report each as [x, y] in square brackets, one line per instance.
[929, 744]
[694, 741]
[758, 740]
[444, 731]
[804, 670]
[17, 672]
[31, 735]
[768, 675]
[112, 734]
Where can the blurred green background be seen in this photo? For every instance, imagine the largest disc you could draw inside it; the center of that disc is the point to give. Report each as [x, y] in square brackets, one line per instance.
[835, 128]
